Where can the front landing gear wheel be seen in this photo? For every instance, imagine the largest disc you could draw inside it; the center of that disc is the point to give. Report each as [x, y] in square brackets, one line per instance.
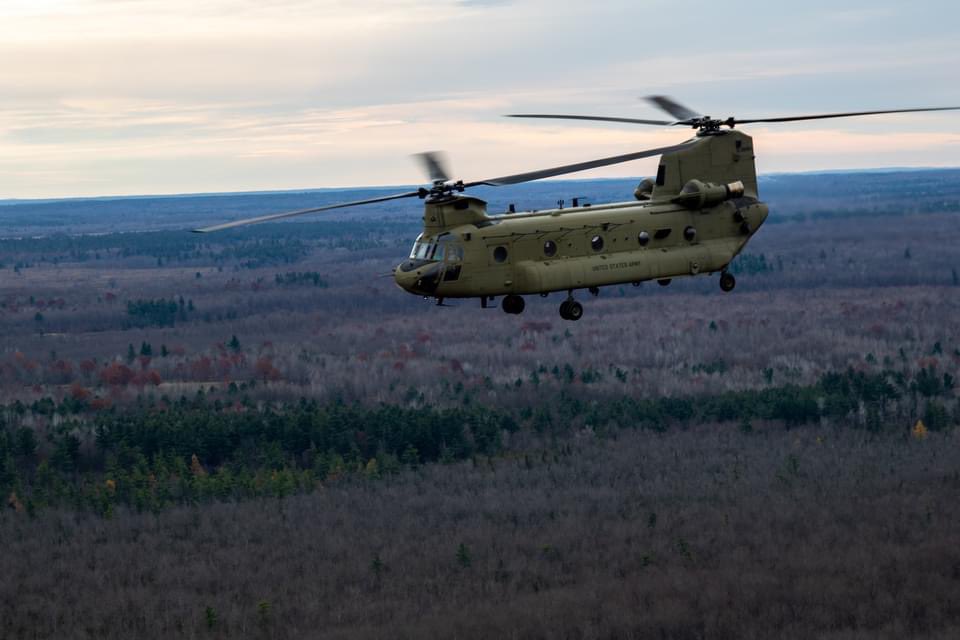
[727, 281]
[513, 304]
[571, 310]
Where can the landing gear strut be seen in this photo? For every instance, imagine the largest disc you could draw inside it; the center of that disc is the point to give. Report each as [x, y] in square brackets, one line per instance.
[513, 304]
[727, 281]
[570, 309]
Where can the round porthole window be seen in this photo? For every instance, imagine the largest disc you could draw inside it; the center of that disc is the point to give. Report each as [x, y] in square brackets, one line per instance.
[643, 238]
[549, 248]
[596, 242]
[500, 254]
[690, 234]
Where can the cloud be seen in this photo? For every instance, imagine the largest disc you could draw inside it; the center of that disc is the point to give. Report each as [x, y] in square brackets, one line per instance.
[483, 3]
[127, 96]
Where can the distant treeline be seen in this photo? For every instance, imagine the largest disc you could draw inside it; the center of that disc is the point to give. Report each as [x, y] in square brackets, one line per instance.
[254, 247]
[301, 278]
[159, 313]
[170, 452]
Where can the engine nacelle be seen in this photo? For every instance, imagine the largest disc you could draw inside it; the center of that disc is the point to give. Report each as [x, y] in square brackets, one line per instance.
[698, 195]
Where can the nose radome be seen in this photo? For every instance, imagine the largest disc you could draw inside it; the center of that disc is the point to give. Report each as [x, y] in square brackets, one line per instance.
[422, 280]
[404, 279]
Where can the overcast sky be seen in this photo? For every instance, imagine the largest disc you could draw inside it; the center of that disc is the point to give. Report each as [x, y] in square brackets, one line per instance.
[171, 96]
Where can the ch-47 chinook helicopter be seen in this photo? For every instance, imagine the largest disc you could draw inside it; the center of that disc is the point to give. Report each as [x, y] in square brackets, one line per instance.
[693, 218]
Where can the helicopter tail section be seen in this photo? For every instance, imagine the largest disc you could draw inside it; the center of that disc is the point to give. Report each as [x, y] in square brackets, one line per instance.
[720, 158]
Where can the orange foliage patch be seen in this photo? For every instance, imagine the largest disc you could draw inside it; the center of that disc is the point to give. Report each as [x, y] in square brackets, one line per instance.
[13, 502]
[265, 370]
[202, 368]
[116, 374]
[77, 392]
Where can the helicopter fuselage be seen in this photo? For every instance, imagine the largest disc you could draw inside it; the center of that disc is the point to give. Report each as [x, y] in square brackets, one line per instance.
[693, 218]
[539, 252]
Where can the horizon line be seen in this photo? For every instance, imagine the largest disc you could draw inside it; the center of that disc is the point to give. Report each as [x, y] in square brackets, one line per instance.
[216, 194]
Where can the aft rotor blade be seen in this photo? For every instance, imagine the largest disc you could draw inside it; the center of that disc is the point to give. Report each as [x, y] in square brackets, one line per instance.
[824, 116]
[434, 164]
[674, 108]
[580, 166]
[591, 118]
[300, 212]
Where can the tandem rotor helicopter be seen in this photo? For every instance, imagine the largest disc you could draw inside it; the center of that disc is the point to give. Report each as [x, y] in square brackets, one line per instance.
[693, 218]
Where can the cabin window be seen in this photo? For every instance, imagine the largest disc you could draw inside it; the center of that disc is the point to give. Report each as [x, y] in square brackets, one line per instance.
[597, 243]
[643, 238]
[690, 233]
[662, 234]
[500, 254]
[549, 248]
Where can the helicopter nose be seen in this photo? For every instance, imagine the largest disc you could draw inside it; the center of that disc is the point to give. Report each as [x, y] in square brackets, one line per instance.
[423, 280]
[404, 279]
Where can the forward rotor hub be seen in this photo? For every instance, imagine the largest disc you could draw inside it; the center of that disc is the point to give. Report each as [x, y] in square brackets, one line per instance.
[441, 189]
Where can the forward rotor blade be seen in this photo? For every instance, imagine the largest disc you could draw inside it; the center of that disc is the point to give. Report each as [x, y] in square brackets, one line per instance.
[580, 166]
[300, 212]
[592, 118]
[434, 164]
[674, 108]
[824, 116]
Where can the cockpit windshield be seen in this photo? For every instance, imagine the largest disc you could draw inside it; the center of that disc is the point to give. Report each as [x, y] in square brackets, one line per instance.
[444, 246]
[426, 251]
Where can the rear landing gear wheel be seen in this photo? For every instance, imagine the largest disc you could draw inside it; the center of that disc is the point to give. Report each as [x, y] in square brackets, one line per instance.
[663, 282]
[727, 281]
[513, 304]
[571, 310]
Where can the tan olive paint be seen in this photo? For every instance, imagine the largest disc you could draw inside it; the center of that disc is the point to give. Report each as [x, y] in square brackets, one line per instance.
[696, 218]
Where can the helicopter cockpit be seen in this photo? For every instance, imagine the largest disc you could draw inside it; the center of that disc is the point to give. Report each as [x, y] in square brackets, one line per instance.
[440, 249]
[436, 250]
[434, 260]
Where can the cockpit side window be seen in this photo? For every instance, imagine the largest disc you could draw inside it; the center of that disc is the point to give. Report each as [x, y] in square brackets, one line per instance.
[449, 247]
[454, 253]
